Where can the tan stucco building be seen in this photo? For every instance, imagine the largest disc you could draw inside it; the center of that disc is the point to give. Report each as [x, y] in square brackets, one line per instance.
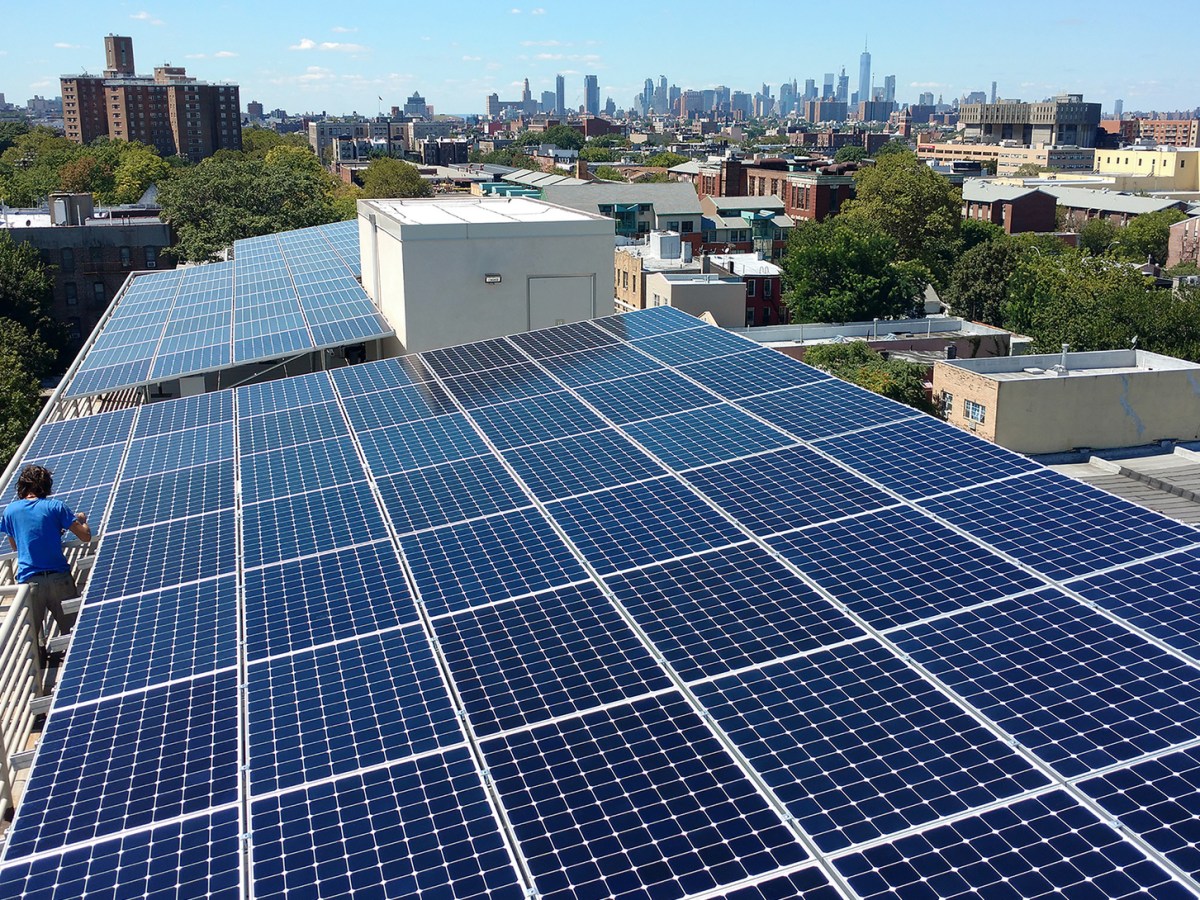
[1058, 402]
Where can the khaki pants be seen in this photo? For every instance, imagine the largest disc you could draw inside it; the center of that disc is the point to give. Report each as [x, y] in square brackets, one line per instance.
[49, 592]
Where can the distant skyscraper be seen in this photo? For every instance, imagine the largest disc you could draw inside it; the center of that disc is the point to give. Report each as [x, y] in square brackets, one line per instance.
[526, 95]
[843, 87]
[591, 95]
[610, 106]
[118, 56]
[864, 75]
[827, 86]
[926, 98]
[560, 96]
[810, 89]
[1118, 108]
[548, 102]
[662, 102]
[889, 89]
[647, 95]
[993, 92]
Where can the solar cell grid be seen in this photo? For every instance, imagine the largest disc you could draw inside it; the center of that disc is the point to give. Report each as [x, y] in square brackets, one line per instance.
[825, 408]
[701, 437]
[427, 442]
[500, 385]
[637, 800]
[807, 884]
[449, 362]
[345, 706]
[1161, 596]
[1059, 526]
[1077, 689]
[600, 364]
[1158, 799]
[420, 828]
[90, 500]
[690, 346]
[924, 456]
[201, 359]
[785, 489]
[297, 469]
[648, 323]
[645, 396]
[562, 339]
[858, 745]
[187, 412]
[300, 524]
[452, 492]
[723, 610]
[487, 560]
[172, 495]
[637, 525]
[76, 470]
[157, 556]
[92, 781]
[551, 470]
[1042, 847]
[164, 636]
[196, 857]
[378, 410]
[179, 449]
[536, 419]
[894, 566]
[552, 654]
[752, 372]
[306, 602]
[90, 432]
[290, 426]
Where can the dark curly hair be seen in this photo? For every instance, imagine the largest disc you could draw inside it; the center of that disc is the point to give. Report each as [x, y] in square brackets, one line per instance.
[36, 480]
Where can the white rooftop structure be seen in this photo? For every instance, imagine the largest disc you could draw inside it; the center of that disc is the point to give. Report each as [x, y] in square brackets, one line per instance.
[743, 264]
[1074, 365]
[475, 211]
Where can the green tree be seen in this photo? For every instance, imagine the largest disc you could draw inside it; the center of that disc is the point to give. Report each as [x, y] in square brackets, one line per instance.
[839, 271]
[978, 288]
[1097, 236]
[386, 177]
[609, 140]
[257, 141]
[140, 167]
[20, 393]
[1147, 236]
[850, 153]
[1028, 170]
[86, 175]
[857, 363]
[893, 146]
[914, 205]
[26, 300]
[972, 233]
[10, 131]
[223, 199]
[563, 136]
[990, 166]
[666, 159]
[597, 154]
[608, 173]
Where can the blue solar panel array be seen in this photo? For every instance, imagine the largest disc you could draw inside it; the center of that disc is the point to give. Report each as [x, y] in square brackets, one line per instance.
[625, 608]
[281, 294]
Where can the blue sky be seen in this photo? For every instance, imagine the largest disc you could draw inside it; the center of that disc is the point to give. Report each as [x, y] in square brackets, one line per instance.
[339, 57]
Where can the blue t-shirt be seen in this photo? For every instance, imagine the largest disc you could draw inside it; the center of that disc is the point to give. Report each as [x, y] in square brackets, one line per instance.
[37, 526]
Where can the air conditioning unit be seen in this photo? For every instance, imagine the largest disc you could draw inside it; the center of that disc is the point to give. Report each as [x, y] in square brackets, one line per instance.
[151, 264]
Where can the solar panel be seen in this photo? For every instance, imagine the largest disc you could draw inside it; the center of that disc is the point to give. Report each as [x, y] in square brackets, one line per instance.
[621, 608]
[280, 295]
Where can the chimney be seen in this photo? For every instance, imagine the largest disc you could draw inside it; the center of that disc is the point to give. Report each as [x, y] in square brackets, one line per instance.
[581, 170]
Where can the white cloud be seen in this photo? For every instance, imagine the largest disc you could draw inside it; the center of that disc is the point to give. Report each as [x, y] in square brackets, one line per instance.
[342, 29]
[426, 37]
[63, 45]
[224, 54]
[494, 67]
[537, 12]
[144, 16]
[196, 56]
[472, 58]
[328, 46]
[514, 11]
[305, 44]
[545, 44]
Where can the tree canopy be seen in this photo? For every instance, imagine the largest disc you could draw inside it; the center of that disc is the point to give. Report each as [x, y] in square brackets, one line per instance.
[666, 159]
[1147, 236]
[857, 363]
[843, 271]
[39, 162]
[609, 173]
[226, 198]
[26, 301]
[386, 177]
[597, 154]
[850, 153]
[914, 206]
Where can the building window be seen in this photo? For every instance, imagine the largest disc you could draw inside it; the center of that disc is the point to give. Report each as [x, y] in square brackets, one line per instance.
[974, 412]
[686, 227]
[151, 257]
[71, 293]
[750, 288]
[126, 257]
[96, 254]
[767, 289]
[98, 292]
[947, 404]
[625, 280]
[68, 259]
[749, 316]
[673, 226]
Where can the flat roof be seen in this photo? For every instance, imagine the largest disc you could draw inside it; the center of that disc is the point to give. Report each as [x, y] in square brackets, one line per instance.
[475, 211]
[883, 330]
[1046, 365]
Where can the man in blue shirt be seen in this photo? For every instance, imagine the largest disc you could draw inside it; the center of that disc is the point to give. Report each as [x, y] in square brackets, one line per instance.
[35, 524]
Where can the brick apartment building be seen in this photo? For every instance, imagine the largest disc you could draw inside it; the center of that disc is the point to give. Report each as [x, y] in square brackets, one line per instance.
[1015, 209]
[811, 190]
[177, 115]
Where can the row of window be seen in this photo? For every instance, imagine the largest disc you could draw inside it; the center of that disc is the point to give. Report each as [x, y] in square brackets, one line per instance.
[71, 293]
[96, 255]
[972, 411]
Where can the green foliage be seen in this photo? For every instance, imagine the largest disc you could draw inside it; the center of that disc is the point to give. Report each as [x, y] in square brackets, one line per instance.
[26, 301]
[609, 140]
[989, 166]
[850, 153]
[978, 288]
[857, 363]
[20, 398]
[1184, 268]
[223, 199]
[972, 233]
[608, 173]
[597, 154]
[1097, 236]
[257, 141]
[842, 271]
[666, 159]
[893, 146]
[1028, 170]
[386, 177]
[10, 131]
[1147, 236]
[563, 136]
[914, 205]
[40, 162]
[514, 156]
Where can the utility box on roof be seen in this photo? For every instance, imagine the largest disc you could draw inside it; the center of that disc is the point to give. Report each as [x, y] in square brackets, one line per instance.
[447, 271]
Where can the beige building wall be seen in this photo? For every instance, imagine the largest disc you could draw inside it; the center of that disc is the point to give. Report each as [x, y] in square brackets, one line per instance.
[1156, 170]
[724, 299]
[1082, 410]
[630, 286]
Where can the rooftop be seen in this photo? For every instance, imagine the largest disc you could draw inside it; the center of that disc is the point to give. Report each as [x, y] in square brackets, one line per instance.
[980, 190]
[1108, 201]
[676, 197]
[745, 264]
[1058, 365]
[1168, 483]
[883, 330]
[474, 211]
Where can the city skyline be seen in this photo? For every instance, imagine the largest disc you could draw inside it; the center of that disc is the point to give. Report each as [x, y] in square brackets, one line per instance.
[308, 57]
